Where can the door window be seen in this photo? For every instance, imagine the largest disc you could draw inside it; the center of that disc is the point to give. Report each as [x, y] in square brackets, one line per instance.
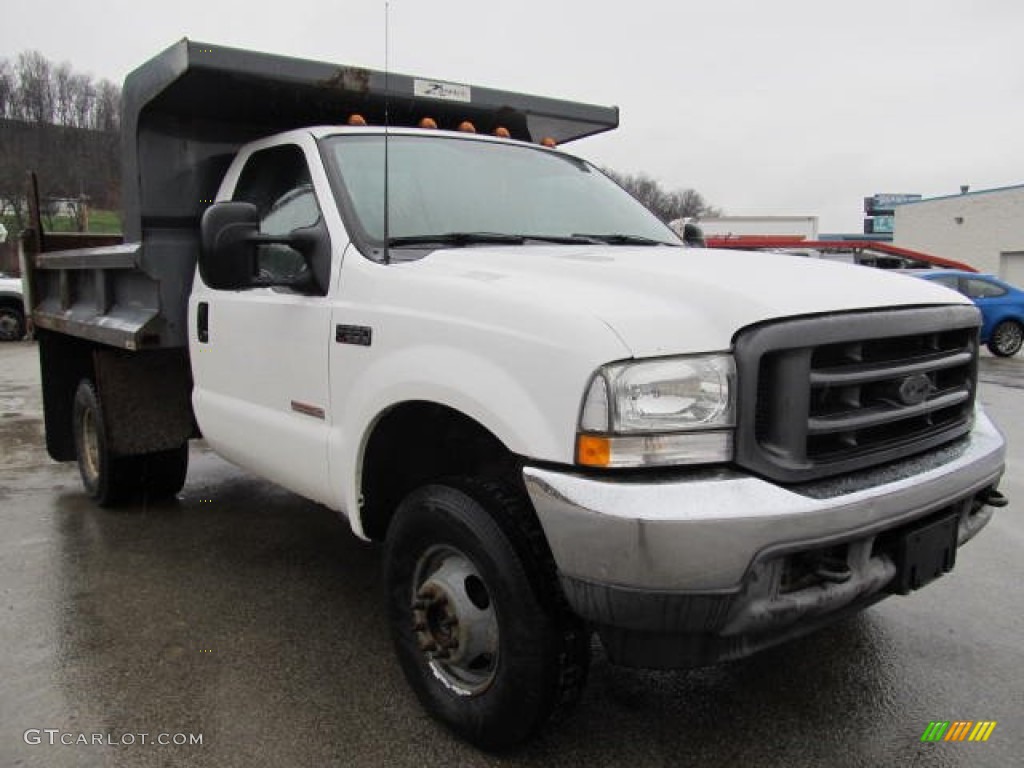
[982, 289]
[278, 183]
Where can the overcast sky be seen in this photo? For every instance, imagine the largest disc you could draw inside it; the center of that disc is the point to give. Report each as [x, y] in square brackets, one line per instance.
[798, 107]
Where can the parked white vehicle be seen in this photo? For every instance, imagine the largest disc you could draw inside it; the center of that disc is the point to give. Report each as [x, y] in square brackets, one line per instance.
[483, 353]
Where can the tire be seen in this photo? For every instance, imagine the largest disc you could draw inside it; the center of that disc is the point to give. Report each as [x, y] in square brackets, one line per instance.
[107, 478]
[12, 323]
[1006, 338]
[162, 474]
[479, 623]
[110, 479]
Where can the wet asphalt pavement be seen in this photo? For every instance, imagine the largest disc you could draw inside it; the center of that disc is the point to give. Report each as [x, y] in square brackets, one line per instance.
[254, 618]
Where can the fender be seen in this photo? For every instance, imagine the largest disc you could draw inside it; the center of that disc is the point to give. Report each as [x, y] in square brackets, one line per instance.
[499, 398]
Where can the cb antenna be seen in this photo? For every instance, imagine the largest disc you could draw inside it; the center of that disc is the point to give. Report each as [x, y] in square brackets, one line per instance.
[387, 126]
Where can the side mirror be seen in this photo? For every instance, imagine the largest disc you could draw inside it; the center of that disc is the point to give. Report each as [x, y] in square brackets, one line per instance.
[228, 235]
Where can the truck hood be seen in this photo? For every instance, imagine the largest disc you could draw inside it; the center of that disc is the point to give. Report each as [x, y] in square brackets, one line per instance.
[663, 300]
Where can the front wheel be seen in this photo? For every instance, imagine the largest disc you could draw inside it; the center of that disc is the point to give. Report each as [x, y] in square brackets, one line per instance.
[1006, 338]
[477, 619]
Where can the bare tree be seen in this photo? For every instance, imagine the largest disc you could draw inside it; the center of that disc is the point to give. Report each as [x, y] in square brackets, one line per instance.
[63, 94]
[108, 107]
[35, 87]
[36, 91]
[7, 88]
[667, 205]
[85, 101]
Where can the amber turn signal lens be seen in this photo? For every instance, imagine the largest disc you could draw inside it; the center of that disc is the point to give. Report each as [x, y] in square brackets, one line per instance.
[593, 451]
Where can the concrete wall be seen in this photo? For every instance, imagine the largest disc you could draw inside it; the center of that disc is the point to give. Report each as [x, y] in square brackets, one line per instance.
[984, 229]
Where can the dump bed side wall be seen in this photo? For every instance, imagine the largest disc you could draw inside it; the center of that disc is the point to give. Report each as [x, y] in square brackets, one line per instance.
[97, 315]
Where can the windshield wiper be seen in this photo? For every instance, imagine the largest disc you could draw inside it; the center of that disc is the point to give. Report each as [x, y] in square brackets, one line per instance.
[564, 239]
[617, 238]
[505, 238]
[458, 238]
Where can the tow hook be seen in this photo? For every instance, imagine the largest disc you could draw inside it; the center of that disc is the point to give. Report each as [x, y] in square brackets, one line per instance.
[833, 570]
[993, 498]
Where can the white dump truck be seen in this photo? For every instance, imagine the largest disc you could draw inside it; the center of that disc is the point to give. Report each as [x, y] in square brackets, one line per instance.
[557, 418]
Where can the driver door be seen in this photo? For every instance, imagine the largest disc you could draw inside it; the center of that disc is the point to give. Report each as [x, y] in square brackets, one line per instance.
[260, 354]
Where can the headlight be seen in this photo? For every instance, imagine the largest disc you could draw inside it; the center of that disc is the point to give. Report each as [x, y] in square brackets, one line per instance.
[659, 412]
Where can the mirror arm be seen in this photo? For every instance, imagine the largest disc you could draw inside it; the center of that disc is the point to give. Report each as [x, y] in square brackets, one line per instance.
[259, 238]
[302, 240]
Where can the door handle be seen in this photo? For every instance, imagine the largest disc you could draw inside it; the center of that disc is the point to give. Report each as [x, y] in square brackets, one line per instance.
[203, 322]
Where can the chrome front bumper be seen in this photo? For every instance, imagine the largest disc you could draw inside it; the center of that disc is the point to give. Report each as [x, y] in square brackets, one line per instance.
[688, 568]
[703, 531]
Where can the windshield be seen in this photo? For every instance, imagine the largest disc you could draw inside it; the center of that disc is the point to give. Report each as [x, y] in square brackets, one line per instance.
[456, 191]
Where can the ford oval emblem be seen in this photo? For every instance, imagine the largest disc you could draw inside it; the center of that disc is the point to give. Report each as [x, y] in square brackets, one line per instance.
[915, 389]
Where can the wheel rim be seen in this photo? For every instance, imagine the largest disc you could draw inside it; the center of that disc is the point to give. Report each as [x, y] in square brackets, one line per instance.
[90, 445]
[1009, 338]
[454, 621]
[9, 325]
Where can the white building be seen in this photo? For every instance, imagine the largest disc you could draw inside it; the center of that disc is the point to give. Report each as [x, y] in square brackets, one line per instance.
[984, 229]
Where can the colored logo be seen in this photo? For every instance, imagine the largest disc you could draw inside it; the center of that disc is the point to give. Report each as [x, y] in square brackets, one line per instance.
[958, 730]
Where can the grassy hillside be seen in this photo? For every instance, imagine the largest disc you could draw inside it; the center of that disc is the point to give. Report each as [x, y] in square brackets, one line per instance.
[100, 222]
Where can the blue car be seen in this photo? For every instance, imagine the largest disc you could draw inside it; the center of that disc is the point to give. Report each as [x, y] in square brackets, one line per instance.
[1001, 305]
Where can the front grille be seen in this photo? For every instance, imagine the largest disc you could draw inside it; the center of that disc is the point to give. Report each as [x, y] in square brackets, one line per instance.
[831, 394]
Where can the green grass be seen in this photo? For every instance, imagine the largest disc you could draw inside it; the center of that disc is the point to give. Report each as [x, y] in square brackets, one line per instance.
[100, 222]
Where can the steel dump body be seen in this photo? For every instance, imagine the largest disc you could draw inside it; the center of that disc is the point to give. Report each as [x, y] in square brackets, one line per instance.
[185, 113]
